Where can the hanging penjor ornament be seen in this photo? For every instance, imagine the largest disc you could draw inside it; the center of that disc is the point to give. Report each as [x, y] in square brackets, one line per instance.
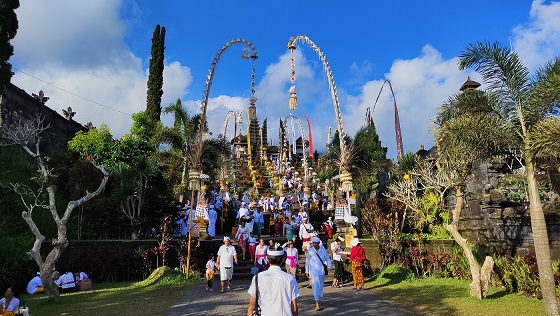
[293, 97]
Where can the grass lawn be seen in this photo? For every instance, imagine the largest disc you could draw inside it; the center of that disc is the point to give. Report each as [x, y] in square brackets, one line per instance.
[439, 296]
[149, 297]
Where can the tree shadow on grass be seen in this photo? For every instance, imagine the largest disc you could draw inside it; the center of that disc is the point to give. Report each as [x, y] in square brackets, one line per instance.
[419, 299]
[497, 295]
[392, 278]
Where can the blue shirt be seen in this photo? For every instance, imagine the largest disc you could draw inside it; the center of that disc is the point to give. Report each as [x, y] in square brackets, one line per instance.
[314, 265]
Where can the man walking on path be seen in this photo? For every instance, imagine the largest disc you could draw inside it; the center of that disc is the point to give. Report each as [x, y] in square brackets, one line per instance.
[314, 260]
[277, 290]
[226, 256]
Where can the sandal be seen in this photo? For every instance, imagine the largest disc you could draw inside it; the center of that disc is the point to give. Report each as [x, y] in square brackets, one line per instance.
[222, 291]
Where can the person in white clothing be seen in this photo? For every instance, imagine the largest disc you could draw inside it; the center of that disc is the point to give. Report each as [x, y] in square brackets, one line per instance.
[291, 257]
[250, 221]
[316, 257]
[210, 267]
[212, 219]
[337, 254]
[305, 230]
[243, 210]
[35, 285]
[330, 222]
[277, 290]
[260, 256]
[241, 236]
[226, 257]
[64, 281]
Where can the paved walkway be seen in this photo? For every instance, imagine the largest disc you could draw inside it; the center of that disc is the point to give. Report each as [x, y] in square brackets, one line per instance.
[336, 301]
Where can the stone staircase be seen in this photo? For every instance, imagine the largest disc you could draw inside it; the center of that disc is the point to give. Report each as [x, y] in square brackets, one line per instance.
[242, 271]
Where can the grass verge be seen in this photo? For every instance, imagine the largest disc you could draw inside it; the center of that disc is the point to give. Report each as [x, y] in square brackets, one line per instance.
[152, 296]
[445, 296]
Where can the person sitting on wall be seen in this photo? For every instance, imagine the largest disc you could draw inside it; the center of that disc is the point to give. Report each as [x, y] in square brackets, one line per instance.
[35, 285]
[65, 282]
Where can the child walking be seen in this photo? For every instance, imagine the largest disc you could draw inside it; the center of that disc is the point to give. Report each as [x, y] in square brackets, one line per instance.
[210, 266]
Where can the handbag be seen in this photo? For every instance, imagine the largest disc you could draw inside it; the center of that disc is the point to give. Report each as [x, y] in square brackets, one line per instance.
[325, 267]
[257, 310]
[254, 269]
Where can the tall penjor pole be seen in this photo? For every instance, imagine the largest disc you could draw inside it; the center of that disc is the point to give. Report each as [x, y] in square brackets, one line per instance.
[345, 176]
[196, 171]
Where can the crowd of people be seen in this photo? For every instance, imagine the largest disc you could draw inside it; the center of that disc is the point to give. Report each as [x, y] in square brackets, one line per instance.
[65, 282]
[276, 265]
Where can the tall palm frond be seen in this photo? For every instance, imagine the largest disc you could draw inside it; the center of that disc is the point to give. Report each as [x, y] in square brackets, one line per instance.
[501, 68]
[544, 138]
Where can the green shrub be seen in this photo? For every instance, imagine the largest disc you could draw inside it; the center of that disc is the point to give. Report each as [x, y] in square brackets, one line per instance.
[518, 274]
[394, 273]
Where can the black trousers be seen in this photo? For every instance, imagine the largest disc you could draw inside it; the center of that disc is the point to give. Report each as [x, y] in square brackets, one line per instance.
[338, 270]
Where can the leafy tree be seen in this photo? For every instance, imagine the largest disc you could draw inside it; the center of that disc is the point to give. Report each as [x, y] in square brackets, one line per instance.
[8, 29]
[526, 104]
[461, 123]
[371, 157]
[155, 77]
[97, 143]
[25, 133]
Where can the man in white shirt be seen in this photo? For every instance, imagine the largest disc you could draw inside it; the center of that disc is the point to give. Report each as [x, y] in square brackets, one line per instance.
[314, 260]
[305, 231]
[277, 290]
[226, 256]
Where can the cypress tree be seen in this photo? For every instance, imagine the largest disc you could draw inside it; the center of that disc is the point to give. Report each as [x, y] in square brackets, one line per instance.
[155, 77]
[8, 29]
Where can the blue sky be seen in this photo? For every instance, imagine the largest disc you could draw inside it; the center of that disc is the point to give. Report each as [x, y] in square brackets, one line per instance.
[100, 50]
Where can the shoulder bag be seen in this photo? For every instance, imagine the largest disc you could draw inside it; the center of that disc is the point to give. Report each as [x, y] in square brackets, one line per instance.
[257, 310]
[325, 267]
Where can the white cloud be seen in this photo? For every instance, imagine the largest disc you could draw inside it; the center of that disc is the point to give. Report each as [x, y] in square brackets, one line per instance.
[538, 40]
[421, 85]
[79, 46]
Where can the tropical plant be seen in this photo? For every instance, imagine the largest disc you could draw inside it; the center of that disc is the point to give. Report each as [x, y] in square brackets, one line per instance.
[27, 134]
[131, 185]
[180, 141]
[527, 106]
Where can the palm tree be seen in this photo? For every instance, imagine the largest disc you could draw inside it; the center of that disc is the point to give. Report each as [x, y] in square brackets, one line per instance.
[181, 139]
[525, 103]
[461, 122]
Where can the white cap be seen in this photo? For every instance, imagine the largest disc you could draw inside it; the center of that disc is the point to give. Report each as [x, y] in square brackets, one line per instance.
[226, 238]
[275, 252]
[340, 238]
[316, 239]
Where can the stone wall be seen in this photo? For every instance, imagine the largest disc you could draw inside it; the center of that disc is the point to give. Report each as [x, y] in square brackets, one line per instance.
[503, 226]
[15, 102]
